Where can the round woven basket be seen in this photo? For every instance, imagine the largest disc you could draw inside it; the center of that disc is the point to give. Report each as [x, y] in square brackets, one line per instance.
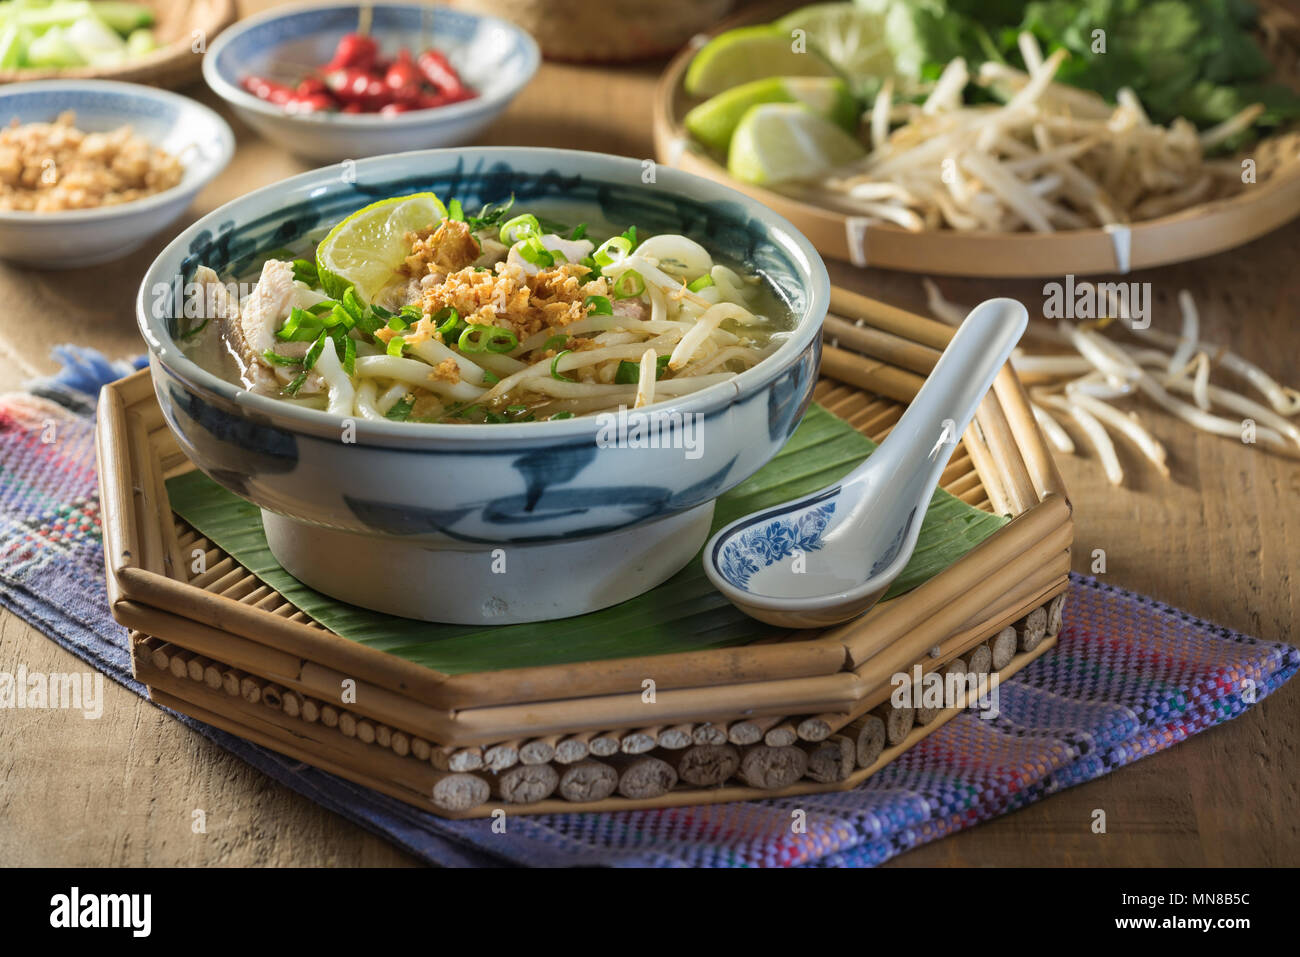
[605, 30]
[184, 29]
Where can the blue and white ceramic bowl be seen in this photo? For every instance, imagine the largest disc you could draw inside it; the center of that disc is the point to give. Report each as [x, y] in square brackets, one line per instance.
[474, 523]
[192, 133]
[496, 58]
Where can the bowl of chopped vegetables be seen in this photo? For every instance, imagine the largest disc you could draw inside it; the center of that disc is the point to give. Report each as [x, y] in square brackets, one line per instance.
[345, 81]
[143, 41]
[963, 138]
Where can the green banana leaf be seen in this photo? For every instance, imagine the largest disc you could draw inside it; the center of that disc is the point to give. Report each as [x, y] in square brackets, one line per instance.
[685, 613]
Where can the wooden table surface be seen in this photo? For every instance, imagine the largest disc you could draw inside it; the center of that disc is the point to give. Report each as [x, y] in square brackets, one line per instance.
[1221, 540]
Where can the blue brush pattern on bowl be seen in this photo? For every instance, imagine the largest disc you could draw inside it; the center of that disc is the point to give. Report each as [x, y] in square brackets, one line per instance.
[493, 56]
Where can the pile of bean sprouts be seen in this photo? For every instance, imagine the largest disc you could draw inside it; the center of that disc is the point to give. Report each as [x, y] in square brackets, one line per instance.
[1160, 365]
[1051, 157]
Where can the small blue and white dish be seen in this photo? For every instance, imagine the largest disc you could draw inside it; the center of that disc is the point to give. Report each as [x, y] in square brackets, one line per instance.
[487, 523]
[493, 56]
[191, 132]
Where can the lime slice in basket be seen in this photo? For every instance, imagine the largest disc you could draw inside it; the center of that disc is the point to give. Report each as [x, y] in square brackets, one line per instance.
[751, 53]
[714, 120]
[367, 249]
[776, 142]
[852, 37]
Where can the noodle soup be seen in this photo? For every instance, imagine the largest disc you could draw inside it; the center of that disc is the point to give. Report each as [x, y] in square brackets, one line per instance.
[410, 310]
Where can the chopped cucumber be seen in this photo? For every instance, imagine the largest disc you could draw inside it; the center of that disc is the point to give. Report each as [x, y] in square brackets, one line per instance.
[13, 45]
[96, 43]
[61, 13]
[125, 18]
[141, 41]
[52, 49]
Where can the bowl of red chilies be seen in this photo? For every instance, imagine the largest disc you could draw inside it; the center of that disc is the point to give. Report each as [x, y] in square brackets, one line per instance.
[341, 81]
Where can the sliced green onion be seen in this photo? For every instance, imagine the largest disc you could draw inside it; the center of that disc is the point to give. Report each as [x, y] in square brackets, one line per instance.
[629, 373]
[301, 326]
[397, 323]
[314, 352]
[455, 211]
[603, 255]
[349, 355]
[600, 306]
[297, 383]
[579, 231]
[338, 316]
[521, 227]
[490, 378]
[411, 313]
[532, 250]
[322, 307]
[503, 340]
[395, 345]
[700, 282]
[629, 285]
[555, 342]
[480, 338]
[630, 236]
[447, 320]
[276, 359]
[401, 409]
[555, 372]
[561, 415]
[353, 305]
[304, 270]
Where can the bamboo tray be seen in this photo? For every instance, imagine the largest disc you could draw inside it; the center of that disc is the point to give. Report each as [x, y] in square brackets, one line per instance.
[1190, 234]
[181, 24]
[222, 646]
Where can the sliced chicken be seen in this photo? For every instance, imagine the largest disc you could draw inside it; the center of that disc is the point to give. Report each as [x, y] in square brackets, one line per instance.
[249, 327]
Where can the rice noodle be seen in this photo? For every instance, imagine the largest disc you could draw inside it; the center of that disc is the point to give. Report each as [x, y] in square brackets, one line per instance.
[337, 381]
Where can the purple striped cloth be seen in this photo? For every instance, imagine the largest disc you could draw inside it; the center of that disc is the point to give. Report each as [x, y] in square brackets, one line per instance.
[1129, 677]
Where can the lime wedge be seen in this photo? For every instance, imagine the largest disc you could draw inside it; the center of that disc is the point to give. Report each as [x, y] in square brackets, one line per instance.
[367, 249]
[751, 53]
[852, 37]
[776, 142]
[714, 120]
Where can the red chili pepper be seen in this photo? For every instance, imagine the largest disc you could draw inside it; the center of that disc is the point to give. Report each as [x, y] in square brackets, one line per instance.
[354, 51]
[403, 74]
[310, 103]
[268, 90]
[312, 85]
[439, 72]
[356, 86]
[392, 109]
[353, 108]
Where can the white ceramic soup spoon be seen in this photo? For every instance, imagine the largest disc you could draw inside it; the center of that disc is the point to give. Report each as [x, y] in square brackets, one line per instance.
[829, 556]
